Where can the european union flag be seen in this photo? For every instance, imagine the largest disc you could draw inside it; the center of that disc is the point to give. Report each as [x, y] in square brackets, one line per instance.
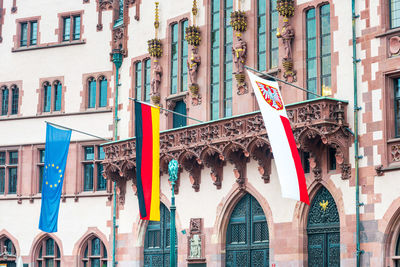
[55, 159]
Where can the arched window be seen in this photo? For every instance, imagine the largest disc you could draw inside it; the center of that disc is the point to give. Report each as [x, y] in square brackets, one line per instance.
[57, 96]
[157, 241]
[267, 24]
[247, 236]
[92, 93]
[4, 100]
[7, 252]
[48, 253]
[46, 97]
[103, 92]
[396, 257]
[14, 99]
[221, 59]
[323, 230]
[94, 253]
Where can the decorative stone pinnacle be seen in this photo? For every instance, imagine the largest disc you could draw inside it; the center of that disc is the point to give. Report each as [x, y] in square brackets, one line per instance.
[157, 19]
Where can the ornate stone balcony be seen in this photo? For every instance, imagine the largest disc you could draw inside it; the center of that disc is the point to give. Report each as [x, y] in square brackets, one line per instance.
[315, 123]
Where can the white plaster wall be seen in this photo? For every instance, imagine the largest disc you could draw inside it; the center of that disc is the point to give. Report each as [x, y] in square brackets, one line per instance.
[74, 218]
[32, 131]
[68, 61]
[388, 187]
[347, 192]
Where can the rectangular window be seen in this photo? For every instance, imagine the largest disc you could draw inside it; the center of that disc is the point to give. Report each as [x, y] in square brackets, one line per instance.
[92, 94]
[273, 40]
[67, 29]
[228, 60]
[71, 28]
[103, 92]
[332, 158]
[93, 179]
[261, 35]
[14, 100]
[184, 57]
[77, 27]
[215, 58]
[318, 54]
[4, 101]
[394, 13]
[12, 172]
[147, 71]
[24, 34]
[179, 121]
[2, 179]
[57, 96]
[311, 58]
[397, 106]
[41, 169]
[174, 58]
[138, 80]
[33, 39]
[47, 98]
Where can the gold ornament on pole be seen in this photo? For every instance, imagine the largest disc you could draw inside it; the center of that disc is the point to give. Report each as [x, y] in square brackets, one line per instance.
[154, 45]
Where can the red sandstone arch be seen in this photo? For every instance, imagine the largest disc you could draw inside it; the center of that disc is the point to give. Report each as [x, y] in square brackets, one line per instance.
[225, 208]
[91, 232]
[301, 211]
[5, 233]
[38, 239]
[390, 226]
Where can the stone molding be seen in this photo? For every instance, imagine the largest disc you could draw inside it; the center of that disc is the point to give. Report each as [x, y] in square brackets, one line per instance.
[315, 123]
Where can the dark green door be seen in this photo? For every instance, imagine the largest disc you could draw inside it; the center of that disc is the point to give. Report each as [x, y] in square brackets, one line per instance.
[323, 229]
[157, 241]
[247, 238]
[179, 121]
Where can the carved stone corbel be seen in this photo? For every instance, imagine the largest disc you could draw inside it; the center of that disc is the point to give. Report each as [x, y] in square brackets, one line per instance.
[239, 158]
[215, 161]
[193, 166]
[262, 153]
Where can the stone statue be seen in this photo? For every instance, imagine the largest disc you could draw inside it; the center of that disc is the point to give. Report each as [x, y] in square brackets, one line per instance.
[156, 79]
[287, 35]
[195, 247]
[193, 64]
[239, 50]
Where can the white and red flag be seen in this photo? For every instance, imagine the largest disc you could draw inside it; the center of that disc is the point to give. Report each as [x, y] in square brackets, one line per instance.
[287, 159]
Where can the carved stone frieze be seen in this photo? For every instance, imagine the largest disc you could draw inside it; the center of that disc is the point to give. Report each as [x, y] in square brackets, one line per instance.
[237, 140]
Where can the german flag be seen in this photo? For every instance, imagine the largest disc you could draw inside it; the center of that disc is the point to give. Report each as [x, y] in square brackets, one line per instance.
[147, 125]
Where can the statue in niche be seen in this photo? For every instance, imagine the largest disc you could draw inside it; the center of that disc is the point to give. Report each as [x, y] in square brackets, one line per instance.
[287, 35]
[193, 65]
[195, 247]
[156, 80]
[239, 50]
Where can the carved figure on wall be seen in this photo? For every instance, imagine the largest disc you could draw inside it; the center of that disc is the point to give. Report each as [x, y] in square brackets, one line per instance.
[156, 82]
[239, 50]
[195, 247]
[193, 65]
[287, 35]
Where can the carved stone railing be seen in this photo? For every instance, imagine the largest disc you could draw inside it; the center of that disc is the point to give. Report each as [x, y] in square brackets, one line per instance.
[235, 140]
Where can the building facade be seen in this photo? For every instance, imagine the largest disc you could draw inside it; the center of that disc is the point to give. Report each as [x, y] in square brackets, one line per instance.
[77, 64]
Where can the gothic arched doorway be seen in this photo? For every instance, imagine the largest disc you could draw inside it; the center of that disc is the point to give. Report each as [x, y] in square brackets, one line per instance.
[323, 230]
[157, 241]
[247, 237]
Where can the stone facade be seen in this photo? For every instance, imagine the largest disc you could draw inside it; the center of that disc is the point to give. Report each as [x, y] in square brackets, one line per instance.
[220, 160]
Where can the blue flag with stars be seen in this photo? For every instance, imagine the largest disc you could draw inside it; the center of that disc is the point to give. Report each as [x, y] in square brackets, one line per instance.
[55, 159]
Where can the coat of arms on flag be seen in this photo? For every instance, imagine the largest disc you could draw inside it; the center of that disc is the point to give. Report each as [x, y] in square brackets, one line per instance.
[270, 95]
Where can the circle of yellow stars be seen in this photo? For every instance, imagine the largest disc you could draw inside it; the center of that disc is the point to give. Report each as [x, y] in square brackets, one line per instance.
[58, 173]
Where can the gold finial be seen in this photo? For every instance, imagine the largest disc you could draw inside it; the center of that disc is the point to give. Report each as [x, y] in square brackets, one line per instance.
[285, 19]
[238, 34]
[157, 19]
[194, 11]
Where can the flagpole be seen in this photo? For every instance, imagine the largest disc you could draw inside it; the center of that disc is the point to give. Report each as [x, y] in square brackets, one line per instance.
[285, 82]
[177, 113]
[67, 128]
